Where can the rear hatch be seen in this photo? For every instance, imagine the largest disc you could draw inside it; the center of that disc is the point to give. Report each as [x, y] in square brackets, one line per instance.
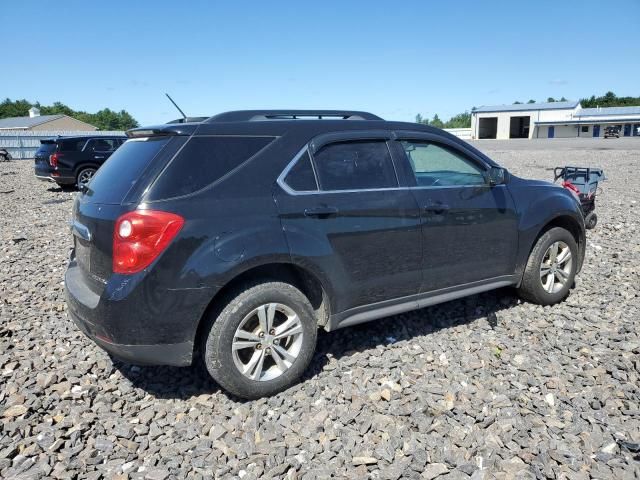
[114, 190]
[46, 148]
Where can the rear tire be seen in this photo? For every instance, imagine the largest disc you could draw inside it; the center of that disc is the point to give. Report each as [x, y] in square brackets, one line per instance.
[84, 176]
[590, 221]
[262, 341]
[551, 268]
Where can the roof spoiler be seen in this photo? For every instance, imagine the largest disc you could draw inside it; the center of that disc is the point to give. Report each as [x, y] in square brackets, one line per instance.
[265, 115]
[163, 130]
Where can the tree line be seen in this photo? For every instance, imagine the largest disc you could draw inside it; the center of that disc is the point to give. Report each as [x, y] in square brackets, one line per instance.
[463, 120]
[105, 119]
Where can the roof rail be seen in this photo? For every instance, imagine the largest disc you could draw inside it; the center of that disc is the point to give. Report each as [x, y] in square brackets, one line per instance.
[264, 115]
[189, 120]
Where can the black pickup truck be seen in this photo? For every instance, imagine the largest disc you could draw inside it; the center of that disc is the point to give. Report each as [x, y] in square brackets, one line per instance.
[74, 160]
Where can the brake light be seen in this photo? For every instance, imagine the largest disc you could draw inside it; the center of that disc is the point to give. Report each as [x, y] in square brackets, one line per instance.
[140, 236]
[53, 159]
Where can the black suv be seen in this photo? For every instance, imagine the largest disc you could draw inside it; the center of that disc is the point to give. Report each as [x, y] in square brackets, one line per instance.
[74, 160]
[234, 239]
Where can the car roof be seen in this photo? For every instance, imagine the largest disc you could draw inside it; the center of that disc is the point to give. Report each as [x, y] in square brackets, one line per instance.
[279, 123]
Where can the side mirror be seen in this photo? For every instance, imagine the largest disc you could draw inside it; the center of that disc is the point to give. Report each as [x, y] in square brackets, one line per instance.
[496, 176]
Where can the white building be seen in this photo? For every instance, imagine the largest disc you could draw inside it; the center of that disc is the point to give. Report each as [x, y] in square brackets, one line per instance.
[552, 120]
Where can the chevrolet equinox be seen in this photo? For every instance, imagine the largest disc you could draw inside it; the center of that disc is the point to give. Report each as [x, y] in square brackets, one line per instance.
[232, 240]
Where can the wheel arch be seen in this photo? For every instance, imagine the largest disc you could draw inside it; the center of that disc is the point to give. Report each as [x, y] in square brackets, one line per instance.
[84, 165]
[568, 222]
[303, 279]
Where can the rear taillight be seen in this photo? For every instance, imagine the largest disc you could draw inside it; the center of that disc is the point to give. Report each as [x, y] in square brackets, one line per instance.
[53, 159]
[140, 236]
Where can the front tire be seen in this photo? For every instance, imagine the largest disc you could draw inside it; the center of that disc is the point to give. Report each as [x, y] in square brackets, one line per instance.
[551, 268]
[262, 341]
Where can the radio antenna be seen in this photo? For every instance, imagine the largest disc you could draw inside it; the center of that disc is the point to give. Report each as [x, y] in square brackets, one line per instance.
[176, 105]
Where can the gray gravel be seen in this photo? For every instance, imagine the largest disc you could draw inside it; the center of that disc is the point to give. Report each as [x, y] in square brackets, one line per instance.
[485, 387]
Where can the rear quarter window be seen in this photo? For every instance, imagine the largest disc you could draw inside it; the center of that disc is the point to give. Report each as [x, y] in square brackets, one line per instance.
[71, 144]
[203, 161]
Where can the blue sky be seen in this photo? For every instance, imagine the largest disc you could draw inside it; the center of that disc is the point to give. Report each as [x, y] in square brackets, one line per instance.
[395, 59]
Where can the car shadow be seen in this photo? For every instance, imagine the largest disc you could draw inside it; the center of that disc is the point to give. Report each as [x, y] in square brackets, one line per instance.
[65, 188]
[187, 382]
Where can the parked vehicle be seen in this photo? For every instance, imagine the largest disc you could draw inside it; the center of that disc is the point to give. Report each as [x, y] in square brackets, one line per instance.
[231, 241]
[5, 156]
[74, 160]
[583, 183]
[611, 132]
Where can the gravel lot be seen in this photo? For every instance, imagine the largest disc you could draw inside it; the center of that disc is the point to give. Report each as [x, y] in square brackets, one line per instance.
[485, 387]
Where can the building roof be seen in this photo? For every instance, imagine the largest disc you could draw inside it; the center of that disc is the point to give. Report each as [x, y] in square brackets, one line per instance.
[521, 107]
[26, 122]
[592, 112]
[601, 121]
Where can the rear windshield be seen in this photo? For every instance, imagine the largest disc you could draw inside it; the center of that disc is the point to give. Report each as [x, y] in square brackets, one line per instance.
[46, 149]
[203, 161]
[123, 169]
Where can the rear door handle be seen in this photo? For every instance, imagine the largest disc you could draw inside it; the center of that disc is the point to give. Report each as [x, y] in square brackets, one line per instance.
[321, 212]
[436, 208]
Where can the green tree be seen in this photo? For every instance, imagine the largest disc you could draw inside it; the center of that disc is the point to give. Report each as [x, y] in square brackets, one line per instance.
[461, 120]
[531, 101]
[609, 99]
[436, 122]
[517, 102]
[17, 108]
[551, 100]
[59, 109]
[104, 119]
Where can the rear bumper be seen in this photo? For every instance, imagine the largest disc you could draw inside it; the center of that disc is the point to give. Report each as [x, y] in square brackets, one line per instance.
[135, 319]
[175, 354]
[63, 179]
[46, 173]
[45, 178]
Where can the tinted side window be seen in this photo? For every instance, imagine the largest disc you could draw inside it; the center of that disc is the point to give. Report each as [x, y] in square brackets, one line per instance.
[438, 165]
[71, 144]
[202, 161]
[355, 165]
[101, 145]
[301, 177]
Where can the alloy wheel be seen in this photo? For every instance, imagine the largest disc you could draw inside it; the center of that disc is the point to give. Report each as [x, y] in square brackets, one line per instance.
[267, 342]
[555, 269]
[85, 177]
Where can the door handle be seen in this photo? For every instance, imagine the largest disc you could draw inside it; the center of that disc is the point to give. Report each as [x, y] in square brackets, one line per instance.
[321, 212]
[99, 157]
[436, 208]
